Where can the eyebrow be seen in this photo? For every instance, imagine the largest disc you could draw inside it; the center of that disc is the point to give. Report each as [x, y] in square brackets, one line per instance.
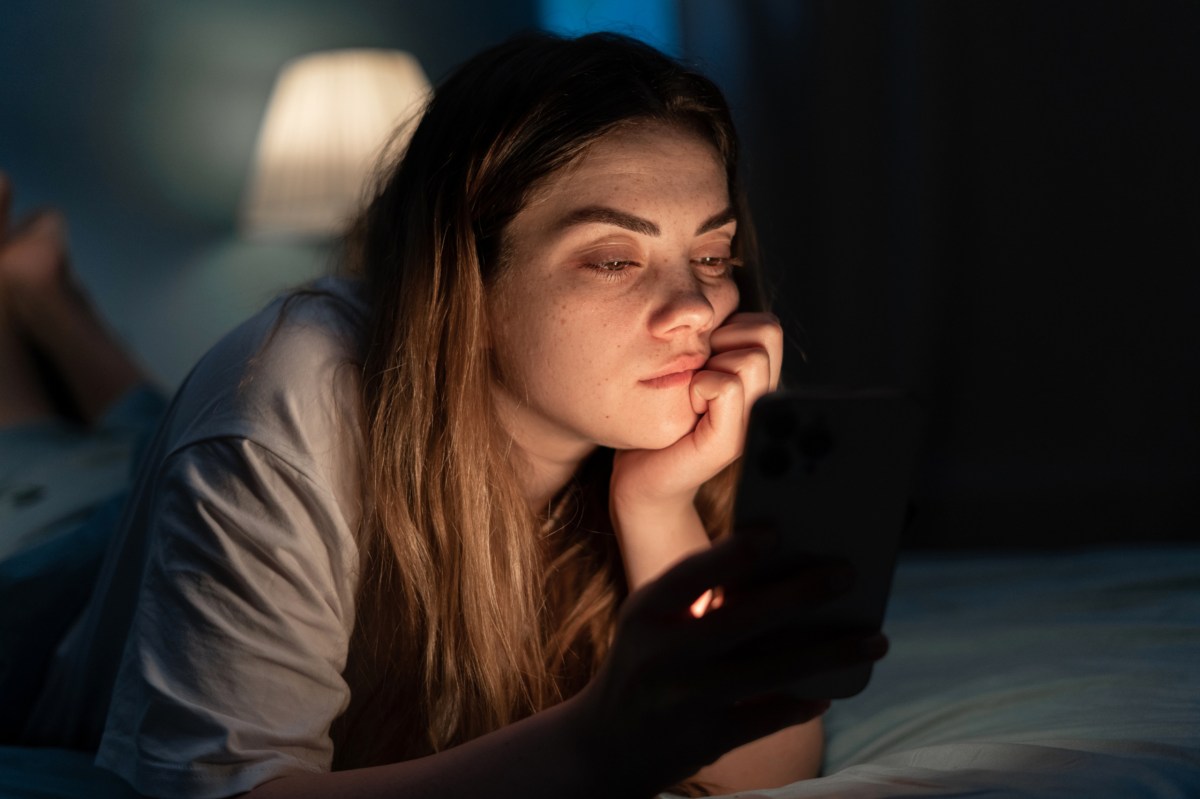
[611, 216]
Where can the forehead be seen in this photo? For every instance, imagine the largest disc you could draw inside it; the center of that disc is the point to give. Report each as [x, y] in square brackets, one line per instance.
[650, 163]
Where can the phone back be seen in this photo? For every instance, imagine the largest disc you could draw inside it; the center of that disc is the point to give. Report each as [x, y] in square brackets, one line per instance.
[830, 471]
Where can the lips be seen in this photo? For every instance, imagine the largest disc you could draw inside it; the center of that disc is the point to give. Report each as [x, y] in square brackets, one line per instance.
[676, 372]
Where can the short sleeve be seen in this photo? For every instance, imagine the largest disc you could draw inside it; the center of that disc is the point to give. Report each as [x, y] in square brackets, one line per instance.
[232, 672]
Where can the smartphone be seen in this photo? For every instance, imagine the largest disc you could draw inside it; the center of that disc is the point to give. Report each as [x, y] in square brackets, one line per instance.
[829, 470]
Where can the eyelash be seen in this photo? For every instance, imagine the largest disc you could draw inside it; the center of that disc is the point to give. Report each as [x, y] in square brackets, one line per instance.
[615, 269]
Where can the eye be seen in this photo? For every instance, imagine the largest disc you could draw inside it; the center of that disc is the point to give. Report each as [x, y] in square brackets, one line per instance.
[610, 269]
[717, 266]
[615, 265]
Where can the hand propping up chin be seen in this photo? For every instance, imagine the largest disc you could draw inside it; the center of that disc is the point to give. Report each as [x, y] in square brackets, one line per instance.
[746, 356]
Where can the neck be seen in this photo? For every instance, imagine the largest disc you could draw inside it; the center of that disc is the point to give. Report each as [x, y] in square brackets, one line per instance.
[543, 479]
[545, 458]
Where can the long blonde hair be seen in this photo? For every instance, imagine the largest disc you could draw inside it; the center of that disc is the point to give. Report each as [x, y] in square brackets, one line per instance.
[473, 612]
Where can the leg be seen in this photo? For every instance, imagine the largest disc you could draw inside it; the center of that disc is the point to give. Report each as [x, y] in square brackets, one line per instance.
[49, 312]
[23, 397]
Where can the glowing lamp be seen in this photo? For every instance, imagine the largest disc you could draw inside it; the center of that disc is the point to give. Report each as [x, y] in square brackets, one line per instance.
[331, 117]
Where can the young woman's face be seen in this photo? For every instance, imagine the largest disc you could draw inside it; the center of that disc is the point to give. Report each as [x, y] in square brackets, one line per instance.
[619, 270]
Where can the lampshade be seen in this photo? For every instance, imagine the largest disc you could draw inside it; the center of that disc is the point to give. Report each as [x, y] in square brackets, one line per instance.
[330, 117]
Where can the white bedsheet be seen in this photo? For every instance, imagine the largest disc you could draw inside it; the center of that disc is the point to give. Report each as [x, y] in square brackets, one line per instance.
[1031, 675]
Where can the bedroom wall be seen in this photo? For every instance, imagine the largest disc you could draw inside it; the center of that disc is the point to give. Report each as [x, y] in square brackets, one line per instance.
[995, 204]
[138, 118]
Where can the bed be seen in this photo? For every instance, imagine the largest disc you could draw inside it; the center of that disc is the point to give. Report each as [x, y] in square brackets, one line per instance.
[1075, 673]
[1019, 674]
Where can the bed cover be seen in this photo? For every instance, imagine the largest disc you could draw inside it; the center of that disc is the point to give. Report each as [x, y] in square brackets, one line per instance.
[1010, 675]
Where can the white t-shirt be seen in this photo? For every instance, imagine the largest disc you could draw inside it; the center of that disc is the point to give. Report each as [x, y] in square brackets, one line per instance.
[222, 616]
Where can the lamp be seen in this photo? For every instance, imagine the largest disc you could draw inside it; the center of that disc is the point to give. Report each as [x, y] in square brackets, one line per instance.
[329, 120]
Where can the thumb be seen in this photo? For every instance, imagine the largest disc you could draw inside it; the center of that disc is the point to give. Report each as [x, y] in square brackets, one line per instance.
[726, 561]
[699, 399]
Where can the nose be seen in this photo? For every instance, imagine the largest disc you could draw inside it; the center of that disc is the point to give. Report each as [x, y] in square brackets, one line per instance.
[682, 305]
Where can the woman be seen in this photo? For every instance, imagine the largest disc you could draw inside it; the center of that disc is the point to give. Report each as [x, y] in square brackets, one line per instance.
[445, 525]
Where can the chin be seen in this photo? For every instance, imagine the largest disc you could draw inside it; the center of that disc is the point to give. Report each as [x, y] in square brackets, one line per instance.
[669, 429]
[656, 423]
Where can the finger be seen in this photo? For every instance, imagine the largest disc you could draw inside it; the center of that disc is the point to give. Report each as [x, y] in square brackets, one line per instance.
[751, 330]
[719, 399]
[742, 330]
[752, 365]
[753, 671]
[765, 611]
[741, 607]
[673, 592]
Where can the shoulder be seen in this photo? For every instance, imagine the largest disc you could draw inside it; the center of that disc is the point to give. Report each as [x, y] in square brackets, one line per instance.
[288, 378]
[318, 326]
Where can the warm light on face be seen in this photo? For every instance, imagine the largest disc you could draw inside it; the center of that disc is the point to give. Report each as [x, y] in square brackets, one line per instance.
[620, 271]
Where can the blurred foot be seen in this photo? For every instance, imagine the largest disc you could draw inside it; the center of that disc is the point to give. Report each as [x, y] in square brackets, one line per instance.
[34, 259]
[48, 312]
[23, 394]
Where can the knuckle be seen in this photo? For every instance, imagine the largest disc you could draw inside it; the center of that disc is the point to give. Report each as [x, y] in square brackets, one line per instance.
[719, 382]
[729, 384]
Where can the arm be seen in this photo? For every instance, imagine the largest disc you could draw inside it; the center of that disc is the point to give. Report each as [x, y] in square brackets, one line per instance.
[617, 737]
[784, 757]
[233, 673]
[657, 525]
[539, 756]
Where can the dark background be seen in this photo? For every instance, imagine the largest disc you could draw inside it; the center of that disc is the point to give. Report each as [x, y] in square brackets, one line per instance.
[994, 204]
[997, 205]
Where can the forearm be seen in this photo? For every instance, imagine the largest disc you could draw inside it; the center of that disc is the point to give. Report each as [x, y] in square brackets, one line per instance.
[652, 540]
[792, 754]
[539, 756]
[787, 756]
